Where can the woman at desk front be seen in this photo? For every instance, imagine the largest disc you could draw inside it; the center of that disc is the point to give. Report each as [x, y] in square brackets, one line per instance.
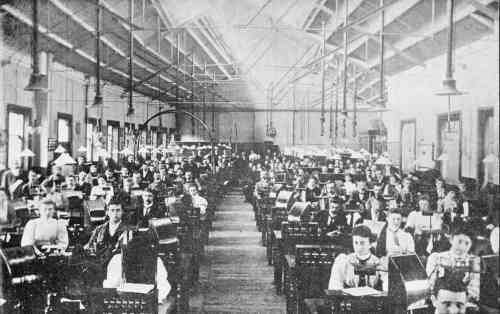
[343, 273]
[45, 231]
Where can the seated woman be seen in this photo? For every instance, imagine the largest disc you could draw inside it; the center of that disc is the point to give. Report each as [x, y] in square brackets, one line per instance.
[45, 231]
[344, 274]
[106, 241]
[102, 189]
[444, 264]
[424, 224]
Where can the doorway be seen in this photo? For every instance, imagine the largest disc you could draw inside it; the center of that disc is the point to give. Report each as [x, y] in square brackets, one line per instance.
[408, 145]
[450, 147]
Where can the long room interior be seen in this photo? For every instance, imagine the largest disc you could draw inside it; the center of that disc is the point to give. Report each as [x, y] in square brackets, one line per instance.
[249, 156]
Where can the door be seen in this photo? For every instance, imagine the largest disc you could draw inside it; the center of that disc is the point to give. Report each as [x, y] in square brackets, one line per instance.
[487, 147]
[408, 145]
[65, 131]
[449, 150]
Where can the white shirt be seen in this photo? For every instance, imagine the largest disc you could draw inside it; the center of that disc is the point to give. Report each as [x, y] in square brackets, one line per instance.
[350, 187]
[201, 203]
[114, 276]
[342, 273]
[406, 243]
[45, 232]
[434, 269]
[420, 222]
[98, 191]
[146, 208]
[494, 240]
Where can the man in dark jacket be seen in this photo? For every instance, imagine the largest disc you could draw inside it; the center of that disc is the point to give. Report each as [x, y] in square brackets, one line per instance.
[147, 210]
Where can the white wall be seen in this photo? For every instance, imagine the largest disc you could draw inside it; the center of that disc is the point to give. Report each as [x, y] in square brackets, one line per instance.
[411, 96]
[66, 95]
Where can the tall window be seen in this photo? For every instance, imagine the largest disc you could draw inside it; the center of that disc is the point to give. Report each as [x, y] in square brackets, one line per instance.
[88, 140]
[129, 137]
[64, 131]
[18, 139]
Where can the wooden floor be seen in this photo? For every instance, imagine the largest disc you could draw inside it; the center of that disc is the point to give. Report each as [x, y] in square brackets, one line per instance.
[234, 276]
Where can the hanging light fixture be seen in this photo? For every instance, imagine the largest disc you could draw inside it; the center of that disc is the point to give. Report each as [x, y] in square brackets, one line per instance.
[449, 83]
[37, 81]
[82, 149]
[35, 128]
[60, 149]
[27, 153]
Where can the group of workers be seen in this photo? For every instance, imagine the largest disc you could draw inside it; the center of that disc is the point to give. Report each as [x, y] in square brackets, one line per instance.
[131, 195]
[388, 213]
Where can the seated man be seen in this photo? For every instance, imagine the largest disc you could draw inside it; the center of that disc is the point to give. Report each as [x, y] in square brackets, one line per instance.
[53, 181]
[31, 188]
[147, 210]
[198, 201]
[343, 274]
[334, 218]
[105, 242]
[441, 265]
[449, 296]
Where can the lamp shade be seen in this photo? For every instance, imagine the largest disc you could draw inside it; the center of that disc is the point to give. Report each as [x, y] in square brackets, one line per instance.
[126, 151]
[27, 153]
[490, 158]
[443, 157]
[60, 149]
[82, 149]
[382, 160]
[357, 155]
[64, 159]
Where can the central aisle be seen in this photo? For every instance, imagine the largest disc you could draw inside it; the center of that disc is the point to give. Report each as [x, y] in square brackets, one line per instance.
[235, 276]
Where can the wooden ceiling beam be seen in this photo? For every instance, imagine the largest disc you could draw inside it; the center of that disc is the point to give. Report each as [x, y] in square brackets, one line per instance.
[64, 43]
[391, 14]
[485, 9]
[461, 12]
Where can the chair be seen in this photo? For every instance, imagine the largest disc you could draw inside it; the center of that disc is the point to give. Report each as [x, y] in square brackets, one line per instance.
[310, 278]
[96, 210]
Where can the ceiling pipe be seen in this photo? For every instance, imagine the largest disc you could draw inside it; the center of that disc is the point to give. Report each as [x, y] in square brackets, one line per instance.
[130, 109]
[98, 96]
[323, 65]
[346, 59]
[37, 81]
[449, 83]
[382, 100]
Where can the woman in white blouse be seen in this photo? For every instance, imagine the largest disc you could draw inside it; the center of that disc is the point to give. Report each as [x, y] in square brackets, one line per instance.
[46, 230]
[102, 189]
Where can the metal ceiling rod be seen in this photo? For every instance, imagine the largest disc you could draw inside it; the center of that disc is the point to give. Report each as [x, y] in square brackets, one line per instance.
[323, 64]
[98, 96]
[130, 109]
[213, 107]
[382, 52]
[152, 75]
[337, 90]
[354, 105]
[192, 94]
[346, 59]
[258, 13]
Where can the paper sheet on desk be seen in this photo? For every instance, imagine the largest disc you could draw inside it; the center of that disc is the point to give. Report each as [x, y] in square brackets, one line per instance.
[360, 291]
[135, 288]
